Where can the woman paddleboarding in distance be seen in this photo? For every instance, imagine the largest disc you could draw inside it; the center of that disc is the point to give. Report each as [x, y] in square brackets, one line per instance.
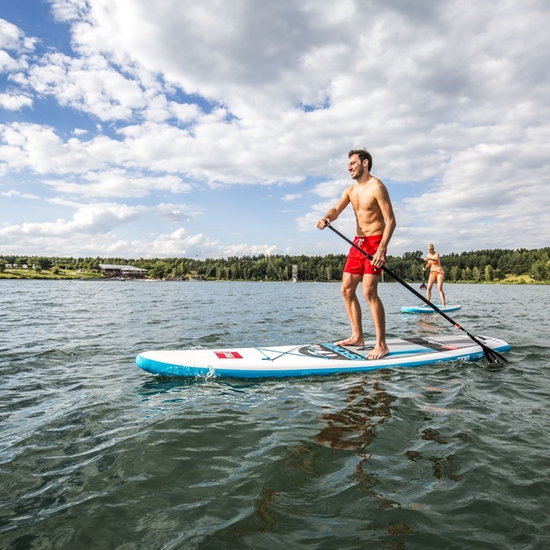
[436, 274]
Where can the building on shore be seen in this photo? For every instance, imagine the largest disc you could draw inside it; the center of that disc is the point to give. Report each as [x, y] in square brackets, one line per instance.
[122, 271]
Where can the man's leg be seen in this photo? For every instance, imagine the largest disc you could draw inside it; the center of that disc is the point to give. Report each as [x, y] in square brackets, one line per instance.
[370, 290]
[350, 282]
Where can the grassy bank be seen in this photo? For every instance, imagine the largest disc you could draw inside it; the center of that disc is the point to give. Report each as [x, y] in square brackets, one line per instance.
[69, 274]
[47, 274]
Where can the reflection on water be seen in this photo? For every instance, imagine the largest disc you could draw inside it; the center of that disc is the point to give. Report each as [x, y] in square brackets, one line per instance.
[355, 426]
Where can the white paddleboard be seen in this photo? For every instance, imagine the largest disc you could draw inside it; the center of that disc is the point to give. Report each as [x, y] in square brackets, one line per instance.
[428, 309]
[313, 359]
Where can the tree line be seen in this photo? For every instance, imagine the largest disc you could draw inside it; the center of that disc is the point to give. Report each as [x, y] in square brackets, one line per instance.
[474, 266]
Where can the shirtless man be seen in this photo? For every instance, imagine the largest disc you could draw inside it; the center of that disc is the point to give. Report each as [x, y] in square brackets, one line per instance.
[375, 225]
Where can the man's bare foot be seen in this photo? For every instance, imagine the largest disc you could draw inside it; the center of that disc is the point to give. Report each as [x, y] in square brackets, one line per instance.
[378, 352]
[351, 341]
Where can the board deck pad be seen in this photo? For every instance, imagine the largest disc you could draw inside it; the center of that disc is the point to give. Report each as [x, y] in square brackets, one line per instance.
[313, 359]
[427, 309]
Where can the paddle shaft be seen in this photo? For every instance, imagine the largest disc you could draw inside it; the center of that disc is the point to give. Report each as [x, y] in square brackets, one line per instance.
[491, 355]
[423, 285]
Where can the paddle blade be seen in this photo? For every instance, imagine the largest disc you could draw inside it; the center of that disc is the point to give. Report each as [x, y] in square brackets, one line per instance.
[493, 356]
[422, 286]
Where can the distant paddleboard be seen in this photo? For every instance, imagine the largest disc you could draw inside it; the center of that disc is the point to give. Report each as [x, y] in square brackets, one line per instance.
[428, 309]
[313, 359]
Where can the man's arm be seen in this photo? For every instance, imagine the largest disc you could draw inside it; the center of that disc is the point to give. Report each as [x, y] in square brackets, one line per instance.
[335, 211]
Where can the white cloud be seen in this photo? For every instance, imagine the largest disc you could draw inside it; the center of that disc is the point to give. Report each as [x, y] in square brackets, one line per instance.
[177, 212]
[87, 84]
[291, 197]
[39, 148]
[7, 62]
[332, 189]
[180, 243]
[14, 193]
[250, 250]
[89, 219]
[13, 38]
[14, 102]
[185, 112]
[119, 183]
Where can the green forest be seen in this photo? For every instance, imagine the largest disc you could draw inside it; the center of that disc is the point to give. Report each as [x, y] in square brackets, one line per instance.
[483, 266]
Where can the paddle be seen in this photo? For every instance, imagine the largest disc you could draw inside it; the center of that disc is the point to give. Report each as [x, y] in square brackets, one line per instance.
[423, 285]
[491, 355]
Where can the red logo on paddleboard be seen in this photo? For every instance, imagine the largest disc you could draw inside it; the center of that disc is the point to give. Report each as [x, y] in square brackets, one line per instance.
[228, 355]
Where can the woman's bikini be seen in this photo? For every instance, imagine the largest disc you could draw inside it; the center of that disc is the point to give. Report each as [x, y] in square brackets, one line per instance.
[435, 268]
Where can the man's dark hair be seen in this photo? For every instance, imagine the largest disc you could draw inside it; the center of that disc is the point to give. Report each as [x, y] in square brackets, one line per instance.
[362, 154]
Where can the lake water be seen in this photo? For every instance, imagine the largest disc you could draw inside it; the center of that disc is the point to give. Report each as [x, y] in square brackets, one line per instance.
[97, 454]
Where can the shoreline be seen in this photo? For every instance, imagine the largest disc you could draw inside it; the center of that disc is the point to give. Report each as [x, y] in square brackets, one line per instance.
[517, 280]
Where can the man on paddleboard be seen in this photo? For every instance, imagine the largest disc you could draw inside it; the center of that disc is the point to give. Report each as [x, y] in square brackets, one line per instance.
[375, 225]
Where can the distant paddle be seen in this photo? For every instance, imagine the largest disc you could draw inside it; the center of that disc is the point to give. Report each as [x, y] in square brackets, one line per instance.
[490, 354]
[423, 285]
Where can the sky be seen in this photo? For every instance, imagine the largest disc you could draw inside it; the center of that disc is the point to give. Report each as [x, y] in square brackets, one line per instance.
[177, 128]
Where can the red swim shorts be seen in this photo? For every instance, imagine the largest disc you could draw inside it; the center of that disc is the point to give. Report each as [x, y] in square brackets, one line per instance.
[359, 264]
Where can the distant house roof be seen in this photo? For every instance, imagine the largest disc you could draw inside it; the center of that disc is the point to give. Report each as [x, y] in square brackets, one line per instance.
[126, 268]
